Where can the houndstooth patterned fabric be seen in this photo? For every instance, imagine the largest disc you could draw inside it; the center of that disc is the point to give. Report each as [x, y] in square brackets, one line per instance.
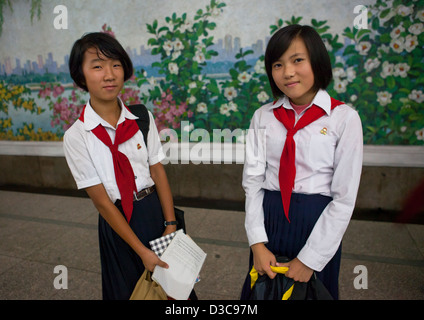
[160, 244]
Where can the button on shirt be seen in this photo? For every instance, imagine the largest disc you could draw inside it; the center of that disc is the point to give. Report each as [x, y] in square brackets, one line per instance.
[90, 160]
[328, 162]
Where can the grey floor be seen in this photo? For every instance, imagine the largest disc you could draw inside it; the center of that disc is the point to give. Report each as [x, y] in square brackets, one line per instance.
[39, 232]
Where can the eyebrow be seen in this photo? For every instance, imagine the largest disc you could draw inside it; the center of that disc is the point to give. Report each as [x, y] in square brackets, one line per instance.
[297, 54]
[96, 60]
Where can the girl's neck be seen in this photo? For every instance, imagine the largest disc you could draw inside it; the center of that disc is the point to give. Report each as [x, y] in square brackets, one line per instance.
[109, 111]
[299, 108]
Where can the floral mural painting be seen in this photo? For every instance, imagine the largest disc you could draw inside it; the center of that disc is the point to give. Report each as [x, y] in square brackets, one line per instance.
[378, 70]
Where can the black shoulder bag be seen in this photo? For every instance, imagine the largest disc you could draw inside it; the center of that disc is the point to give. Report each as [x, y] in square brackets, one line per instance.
[143, 123]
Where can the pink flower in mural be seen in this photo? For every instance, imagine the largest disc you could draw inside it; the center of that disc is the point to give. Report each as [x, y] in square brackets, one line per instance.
[58, 90]
[130, 96]
[107, 29]
[168, 114]
[44, 91]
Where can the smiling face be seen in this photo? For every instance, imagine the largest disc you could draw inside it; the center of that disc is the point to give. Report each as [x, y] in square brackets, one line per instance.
[293, 74]
[104, 77]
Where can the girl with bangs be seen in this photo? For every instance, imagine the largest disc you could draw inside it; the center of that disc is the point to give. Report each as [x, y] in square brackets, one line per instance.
[124, 178]
[303, 164]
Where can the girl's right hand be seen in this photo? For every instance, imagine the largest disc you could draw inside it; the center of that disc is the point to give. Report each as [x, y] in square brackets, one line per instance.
[151, 260]
[263, 259]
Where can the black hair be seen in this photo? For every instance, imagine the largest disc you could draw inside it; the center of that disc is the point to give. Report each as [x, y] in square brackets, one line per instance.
[105, 44]
[320, 60]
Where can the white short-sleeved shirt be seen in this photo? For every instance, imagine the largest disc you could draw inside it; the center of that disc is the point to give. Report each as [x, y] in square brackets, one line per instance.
[90, 160]
[328, 161]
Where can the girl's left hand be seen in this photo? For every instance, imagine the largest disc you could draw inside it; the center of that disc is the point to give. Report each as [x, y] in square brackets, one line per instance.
[297, 270]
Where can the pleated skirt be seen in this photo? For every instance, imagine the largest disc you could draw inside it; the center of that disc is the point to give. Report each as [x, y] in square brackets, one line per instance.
[121, 266]
[288, 238]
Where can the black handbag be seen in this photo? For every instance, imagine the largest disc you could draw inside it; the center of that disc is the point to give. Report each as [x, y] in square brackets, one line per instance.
[283, 288]
[179, 216]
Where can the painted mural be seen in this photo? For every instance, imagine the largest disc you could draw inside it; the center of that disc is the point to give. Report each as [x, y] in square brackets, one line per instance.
[185, 70]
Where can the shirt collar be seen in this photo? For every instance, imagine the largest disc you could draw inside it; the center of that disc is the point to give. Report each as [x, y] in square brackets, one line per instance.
[322, 99]
[92, 119]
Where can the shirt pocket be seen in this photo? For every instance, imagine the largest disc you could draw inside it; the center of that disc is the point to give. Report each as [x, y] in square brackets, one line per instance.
[321, 151]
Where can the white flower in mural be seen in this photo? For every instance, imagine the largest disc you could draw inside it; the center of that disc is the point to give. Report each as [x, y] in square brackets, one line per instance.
[383, 49]
[339, 73]
[416, 95]
[363, 47]
[178, 45]
[232, 106]
[192, 85]
[401, 70]
[411, 42]
[192, 100]
[175, 55]
[152, 81]
[168, 47]
[398, 44]
[244, 77]
[188, 128]
[262, 96]
[200, 46]
[199, 57]
[259, 67]
[173, 68]
[387, 70]
[186, 26]
[371, 64]
[404, 10]
[384, 98]
[225, 110]
[202, 107]
[230, 93]
[416, 28]
[368, 79]
[420, 15]
[350, 74]
[353, 97]
[397, 31]
[420, 134]
[340, 85]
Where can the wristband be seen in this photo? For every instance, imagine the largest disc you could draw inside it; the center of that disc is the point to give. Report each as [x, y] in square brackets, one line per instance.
[170, 223]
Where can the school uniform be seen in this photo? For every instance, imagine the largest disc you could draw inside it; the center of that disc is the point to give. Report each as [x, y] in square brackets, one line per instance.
[328, 165]
[91, 163]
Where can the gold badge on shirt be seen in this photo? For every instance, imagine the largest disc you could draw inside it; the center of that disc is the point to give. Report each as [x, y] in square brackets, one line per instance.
[323, 131]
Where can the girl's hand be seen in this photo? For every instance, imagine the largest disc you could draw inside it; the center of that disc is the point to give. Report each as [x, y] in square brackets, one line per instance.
[169, 229]
[151, 260]
[297, 270]
[263, 259]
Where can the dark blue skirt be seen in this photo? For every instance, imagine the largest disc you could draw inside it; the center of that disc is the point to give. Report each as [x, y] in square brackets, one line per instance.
[121, 266]
[288, 238]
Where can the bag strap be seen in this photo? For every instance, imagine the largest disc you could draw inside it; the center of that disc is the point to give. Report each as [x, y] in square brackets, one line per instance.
[143, 120]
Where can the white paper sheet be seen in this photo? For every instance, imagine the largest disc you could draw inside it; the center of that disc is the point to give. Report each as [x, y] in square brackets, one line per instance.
[185, 259]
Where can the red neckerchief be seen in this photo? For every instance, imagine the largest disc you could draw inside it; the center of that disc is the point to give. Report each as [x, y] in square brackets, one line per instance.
[124, 174]
[287, 173]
